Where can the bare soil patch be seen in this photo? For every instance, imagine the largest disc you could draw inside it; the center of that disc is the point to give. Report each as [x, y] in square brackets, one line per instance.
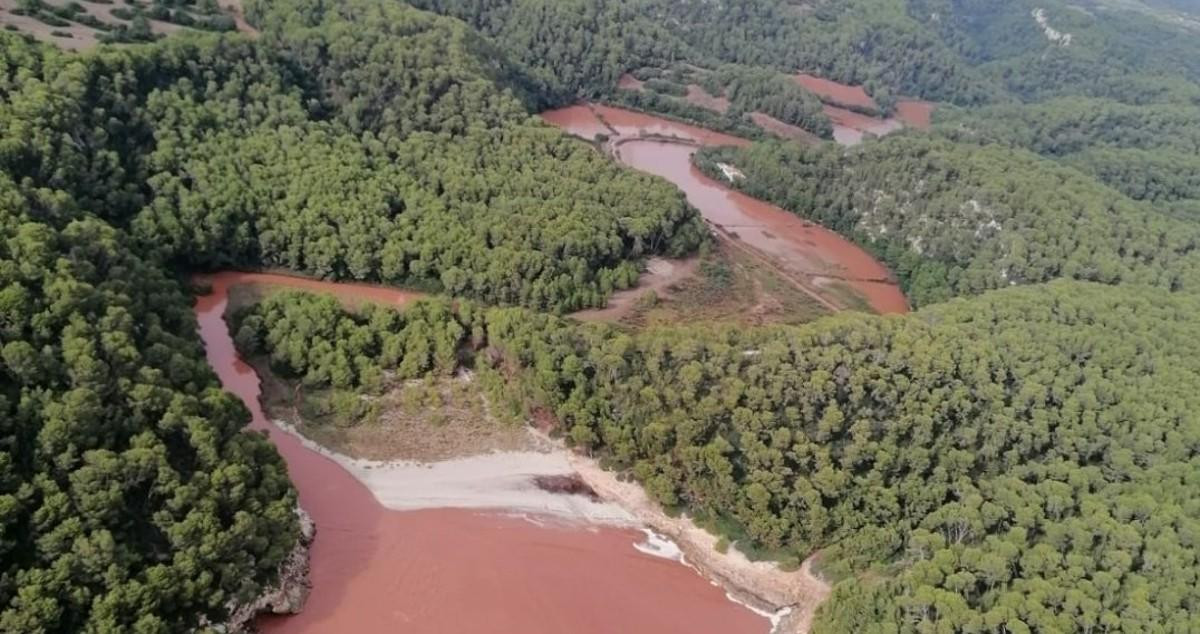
[419, 421]
[698, 96]
[657, 282]
[728, 286]
[915, 113]
[629, 82]
[783, 130]
[81, 37]
[837, 93]
[76, 36]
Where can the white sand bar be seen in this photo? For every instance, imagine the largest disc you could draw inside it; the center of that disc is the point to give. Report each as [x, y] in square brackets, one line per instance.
[498, 480]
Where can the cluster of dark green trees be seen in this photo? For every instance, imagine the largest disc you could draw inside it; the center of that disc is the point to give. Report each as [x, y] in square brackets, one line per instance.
[1023, 461]
[361, 140]
[967, 52]
[747, 89]
[955, 219]
[1149, 152]
[130, 498]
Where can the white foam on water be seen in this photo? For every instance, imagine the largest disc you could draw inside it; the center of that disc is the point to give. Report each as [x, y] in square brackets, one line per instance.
[660, 546]
[663, 547]
[775, 617]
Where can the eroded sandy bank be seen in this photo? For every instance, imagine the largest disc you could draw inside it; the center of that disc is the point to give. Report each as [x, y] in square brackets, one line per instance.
[760, 585]
[502, 480]
[505, 481]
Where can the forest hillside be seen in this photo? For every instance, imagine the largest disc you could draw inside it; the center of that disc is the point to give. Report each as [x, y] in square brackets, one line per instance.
[1020, 454]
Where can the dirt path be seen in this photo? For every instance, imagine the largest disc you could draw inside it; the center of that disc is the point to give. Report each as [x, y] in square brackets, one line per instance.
[660, 275]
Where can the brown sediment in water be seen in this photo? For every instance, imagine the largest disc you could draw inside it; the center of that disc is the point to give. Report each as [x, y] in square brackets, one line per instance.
[348, 292]
[850, 127]
[783, 130]
[444, 570]
[627, 123]
[804, 249]
[579, 120]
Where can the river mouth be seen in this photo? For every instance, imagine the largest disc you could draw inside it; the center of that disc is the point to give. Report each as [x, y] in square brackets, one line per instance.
[434, 571]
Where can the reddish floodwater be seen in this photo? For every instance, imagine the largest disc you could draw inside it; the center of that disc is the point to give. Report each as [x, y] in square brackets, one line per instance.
[850, 127]
[376, 571]
[627, 123]
[803, 247]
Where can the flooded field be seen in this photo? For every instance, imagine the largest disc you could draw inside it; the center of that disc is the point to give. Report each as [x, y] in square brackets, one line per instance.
[844, 102]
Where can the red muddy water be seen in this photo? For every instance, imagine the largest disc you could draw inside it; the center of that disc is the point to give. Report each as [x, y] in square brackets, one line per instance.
[376, 571]
[804, 248]
[849, 126]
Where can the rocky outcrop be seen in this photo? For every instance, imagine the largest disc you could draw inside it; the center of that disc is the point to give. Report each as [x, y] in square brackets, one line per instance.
[288, 595]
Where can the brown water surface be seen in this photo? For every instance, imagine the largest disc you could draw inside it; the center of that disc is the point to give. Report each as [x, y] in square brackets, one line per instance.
[445, 571]
[804, 248]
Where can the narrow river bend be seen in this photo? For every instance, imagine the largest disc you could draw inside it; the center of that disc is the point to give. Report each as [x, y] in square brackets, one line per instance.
[812, 254]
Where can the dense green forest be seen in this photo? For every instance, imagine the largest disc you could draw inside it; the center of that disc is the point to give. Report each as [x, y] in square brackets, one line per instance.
[955, 219]
[366, 140]
[1017, 460]
[1020, 461]
[584, 46]
[966, 52]
[1149, 152]
[124, 469]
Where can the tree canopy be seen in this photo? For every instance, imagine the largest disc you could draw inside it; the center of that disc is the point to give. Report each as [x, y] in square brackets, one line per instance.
[956, 219]
[1018, 461]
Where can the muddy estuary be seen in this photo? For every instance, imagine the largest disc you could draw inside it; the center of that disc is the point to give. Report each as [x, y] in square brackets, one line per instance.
[376, 570]
[813, 255]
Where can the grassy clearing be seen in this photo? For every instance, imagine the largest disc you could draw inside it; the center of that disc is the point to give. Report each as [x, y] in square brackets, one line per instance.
[424, 421]
[77, 25]
[730, 287]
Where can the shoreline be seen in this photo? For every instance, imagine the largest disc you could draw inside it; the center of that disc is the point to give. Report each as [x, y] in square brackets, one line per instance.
[500, 481]
[792, 597]
[503, 482]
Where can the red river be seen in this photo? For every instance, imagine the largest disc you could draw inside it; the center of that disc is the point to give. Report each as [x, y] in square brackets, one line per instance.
[804, 248]
[376, 571]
